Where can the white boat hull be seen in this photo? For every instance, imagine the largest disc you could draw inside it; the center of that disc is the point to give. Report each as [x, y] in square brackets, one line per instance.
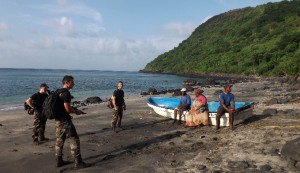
[239, 117]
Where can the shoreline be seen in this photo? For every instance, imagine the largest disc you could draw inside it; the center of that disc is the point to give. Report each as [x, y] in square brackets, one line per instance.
[150, 143]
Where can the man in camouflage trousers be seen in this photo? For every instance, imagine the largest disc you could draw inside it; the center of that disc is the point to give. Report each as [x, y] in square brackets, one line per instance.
[65, 127]
[39, 124]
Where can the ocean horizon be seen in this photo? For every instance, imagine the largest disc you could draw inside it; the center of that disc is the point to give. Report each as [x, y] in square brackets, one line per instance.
[18, 84]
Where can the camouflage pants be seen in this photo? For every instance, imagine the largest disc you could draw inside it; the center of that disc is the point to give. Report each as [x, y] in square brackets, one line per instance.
[39, 125]
[66, 129]
[117, 118]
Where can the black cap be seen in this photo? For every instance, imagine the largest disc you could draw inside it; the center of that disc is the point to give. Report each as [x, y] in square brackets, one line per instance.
[44, 85]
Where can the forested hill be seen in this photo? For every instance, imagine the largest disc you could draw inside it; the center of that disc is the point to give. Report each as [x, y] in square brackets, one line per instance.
[263, 41]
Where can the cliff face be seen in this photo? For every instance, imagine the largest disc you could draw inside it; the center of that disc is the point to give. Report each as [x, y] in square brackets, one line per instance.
[264, 41]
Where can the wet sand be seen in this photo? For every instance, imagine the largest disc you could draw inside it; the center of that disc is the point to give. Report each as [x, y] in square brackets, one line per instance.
[150, 143]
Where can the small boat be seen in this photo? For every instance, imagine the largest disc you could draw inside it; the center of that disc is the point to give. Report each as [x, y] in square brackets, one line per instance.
[165, 106]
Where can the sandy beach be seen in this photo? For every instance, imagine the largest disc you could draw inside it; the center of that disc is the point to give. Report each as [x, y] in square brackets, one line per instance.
[150, 143]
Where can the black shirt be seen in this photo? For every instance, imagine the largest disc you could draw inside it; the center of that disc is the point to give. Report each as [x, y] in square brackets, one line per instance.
[38, 100]
[64, 97]
[119, 94]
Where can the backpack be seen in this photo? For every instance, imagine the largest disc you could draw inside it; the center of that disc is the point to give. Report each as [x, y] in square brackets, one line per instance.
[51, 105]
[110, 103]
[28, 109]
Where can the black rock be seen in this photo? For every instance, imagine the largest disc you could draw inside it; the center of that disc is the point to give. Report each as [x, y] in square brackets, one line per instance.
[210, 82]
[265, 168]
[217, 171]
[189, 89]
[92, 100]
[290, 150]
[283, 100]
[270, 112]
[144, 93]
[272, 102]
[274, 152]
[201, 167]
[177, 93]
[238, 164]
[242, 165]
[218, 92]
[152, 91]
[189, 82]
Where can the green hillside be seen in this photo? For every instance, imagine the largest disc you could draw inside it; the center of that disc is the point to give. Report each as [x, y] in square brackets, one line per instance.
[264, 41]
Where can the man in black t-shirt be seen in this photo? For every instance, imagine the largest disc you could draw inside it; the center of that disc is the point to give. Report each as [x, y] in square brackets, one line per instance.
[39, 124]
[119, 106]
[65, 127]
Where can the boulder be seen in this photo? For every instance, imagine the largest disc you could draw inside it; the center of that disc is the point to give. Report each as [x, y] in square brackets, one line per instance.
[152, 91]
[265, 168]
[176, 93]
[189, 82]
[189, 89]
[218, 92]
[143, 93]
[210, 82]
[270, 112]
[92, 100]
[272, 101]
[290, 150]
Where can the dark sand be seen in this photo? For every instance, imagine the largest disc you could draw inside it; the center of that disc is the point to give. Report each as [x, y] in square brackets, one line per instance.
[150, 143]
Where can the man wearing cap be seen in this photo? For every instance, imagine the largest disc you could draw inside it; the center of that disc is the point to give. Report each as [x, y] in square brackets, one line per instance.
[226, 100]
[185, 103]
[39, 124]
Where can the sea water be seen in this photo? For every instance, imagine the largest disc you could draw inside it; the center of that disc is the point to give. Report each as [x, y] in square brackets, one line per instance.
[17, 85]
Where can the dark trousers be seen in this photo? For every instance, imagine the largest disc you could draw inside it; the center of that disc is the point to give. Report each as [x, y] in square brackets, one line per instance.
[221, 111]
[117, 118]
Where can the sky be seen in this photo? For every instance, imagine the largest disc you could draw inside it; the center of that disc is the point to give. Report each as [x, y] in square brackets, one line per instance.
[118, 35]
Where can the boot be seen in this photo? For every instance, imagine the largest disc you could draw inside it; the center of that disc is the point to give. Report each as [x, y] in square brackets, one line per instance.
[42, 134]
[79, 163]
[59, 161]
[43, 138]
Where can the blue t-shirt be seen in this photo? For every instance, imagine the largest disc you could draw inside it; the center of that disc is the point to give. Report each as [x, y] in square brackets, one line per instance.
[186, 99]
[227, 98]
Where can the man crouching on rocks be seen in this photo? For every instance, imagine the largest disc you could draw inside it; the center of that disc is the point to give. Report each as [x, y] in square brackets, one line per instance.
[65, 127]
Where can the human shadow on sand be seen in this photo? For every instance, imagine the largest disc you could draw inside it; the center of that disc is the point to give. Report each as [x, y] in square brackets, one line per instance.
[130, 149]
[130, 126]
[254, 118]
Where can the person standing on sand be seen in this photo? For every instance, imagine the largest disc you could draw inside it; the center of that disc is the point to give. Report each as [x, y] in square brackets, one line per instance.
[184, 105]
[65, 127]
[119, 105]
[39, 124]
[227, 104]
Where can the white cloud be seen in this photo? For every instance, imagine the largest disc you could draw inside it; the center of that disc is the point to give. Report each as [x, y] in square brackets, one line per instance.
[78, 9]
[180, 29]
[64, 26]
[207, 18]
[63, 2]
[4, 29]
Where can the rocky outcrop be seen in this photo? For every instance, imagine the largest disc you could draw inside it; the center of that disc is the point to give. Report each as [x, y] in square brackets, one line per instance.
[189, 82]
[291, 152]
[92, 100]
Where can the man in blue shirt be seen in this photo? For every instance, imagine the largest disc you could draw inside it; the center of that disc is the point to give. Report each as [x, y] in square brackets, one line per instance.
[226, 100]
[185, 103]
